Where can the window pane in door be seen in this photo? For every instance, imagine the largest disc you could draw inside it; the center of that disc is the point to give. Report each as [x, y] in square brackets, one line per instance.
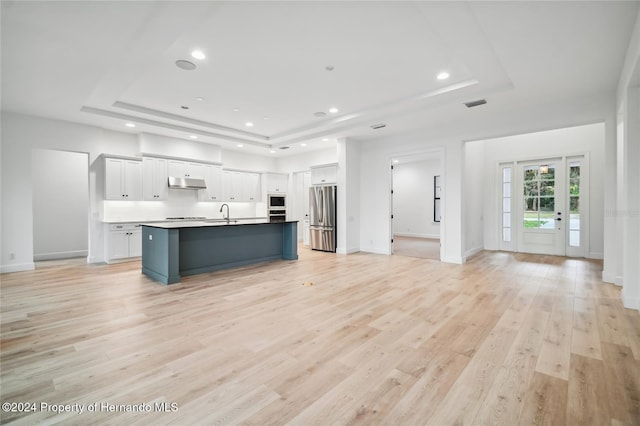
[539, 196]
[506, 204]
[574, 204]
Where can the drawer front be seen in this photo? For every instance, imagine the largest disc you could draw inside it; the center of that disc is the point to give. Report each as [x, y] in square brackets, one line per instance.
[124, 226]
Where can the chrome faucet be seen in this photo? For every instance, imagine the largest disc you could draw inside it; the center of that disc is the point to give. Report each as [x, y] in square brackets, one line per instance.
[225, 204]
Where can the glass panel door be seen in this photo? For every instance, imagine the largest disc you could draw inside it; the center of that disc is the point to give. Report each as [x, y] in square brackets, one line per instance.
[540, 224]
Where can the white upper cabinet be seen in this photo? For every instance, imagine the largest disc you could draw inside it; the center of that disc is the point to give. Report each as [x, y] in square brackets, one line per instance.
[241, 186]
[276, 182]
[324, 175]
[251, 187]
[123, 179]
[213, 178]
[188, 169]
[154, 183]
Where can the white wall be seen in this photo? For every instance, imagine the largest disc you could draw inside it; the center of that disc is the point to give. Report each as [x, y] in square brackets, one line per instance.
[151, 144]
[303, 162]
[413, 199]
[60, 204]
[626, 245]
[348, 197]
[20, 135]
[476, 195]
[375, 190]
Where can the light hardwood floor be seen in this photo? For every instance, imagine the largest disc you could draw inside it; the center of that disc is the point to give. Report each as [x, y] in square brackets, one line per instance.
[425, 248]
[504, 339]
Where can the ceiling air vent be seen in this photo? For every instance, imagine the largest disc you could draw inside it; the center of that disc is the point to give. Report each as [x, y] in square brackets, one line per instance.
[285, 147]
[378, 126]
[475, 103]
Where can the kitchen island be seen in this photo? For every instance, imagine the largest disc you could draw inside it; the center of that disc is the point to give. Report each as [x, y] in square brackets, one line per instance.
[174, 249]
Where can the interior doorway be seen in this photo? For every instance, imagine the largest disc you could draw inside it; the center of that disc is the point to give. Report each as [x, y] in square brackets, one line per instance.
[60, 204]
[415, 205]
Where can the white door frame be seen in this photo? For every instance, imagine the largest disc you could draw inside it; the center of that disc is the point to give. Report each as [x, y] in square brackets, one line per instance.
[515, 204]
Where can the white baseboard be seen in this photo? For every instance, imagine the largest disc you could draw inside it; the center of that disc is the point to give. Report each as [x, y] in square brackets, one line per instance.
[595, 255]
[471, 252]
[60, 255]
[18, 267]
[608, 277]
[413, 235]
[374, 250]
[95, 259]
[631, 302]
[619, 281]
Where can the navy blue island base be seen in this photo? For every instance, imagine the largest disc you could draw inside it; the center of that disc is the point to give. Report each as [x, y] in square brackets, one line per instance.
[174, 249]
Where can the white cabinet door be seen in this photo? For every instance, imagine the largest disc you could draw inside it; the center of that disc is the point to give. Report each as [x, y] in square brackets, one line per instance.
[251, 187]
[179, 168]
[276, 183]
[154, 182]
[118, 245]
[195, 170]
[114, 186]
[232, 185]
[123, 179]
[123, 241]
[324, 175]
[133, 180]
[213, 178]
[135, 243]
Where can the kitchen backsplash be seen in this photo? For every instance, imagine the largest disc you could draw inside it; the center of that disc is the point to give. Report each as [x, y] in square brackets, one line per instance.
[181, 203]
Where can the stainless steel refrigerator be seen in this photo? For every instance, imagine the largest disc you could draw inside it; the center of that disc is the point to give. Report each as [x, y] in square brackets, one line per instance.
[322, 218]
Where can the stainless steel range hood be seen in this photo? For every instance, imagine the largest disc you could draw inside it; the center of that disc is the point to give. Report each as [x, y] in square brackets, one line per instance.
[186, 183]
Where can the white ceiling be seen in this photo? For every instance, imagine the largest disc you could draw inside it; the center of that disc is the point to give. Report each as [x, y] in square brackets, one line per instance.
[107, 63]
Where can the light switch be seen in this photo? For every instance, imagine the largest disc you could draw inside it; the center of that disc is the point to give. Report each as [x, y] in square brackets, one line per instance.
[150, 237]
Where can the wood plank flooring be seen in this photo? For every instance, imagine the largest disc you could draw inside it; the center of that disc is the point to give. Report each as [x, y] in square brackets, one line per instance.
[505, 339]
[425, 248]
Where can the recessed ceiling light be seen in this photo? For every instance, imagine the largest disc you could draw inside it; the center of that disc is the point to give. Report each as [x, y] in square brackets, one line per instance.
[319, 114]
[199, 99]
[333, 110]
[185, 65]
[395, 161]
[198, 54]
[443, 75]
[193, 137]
[325, 139]
[272, 151]
[240, 145]
[248, 124]
[303, 144]
[130, 125]
[236, 109]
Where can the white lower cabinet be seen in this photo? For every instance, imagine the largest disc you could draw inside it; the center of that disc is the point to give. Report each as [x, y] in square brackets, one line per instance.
[123, 241]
